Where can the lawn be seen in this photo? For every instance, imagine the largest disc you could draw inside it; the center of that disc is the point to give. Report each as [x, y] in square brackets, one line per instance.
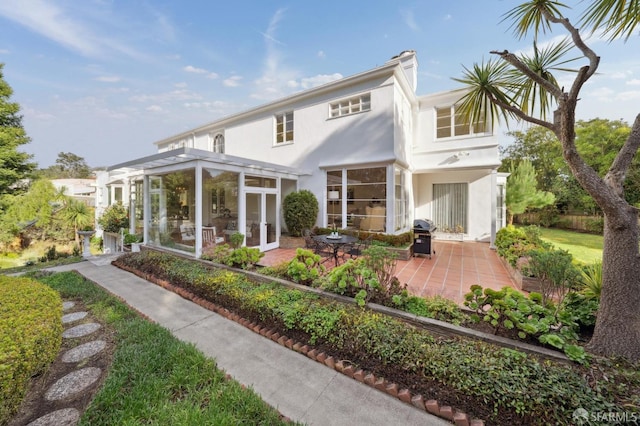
[585, 248]
[167, 382]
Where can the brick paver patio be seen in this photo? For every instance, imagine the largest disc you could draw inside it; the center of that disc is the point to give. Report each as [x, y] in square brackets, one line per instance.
[454, 268]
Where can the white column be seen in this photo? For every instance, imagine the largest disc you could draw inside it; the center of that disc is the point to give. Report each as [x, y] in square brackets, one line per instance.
[494, 215]
[198, 196]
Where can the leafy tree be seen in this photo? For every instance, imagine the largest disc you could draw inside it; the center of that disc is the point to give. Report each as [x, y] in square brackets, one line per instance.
[68, 166]
[300, 211]
[14, 165]
[525, 88]
[522, 193]
[114, 217]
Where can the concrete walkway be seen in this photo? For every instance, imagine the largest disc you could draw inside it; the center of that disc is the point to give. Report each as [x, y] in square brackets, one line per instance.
[301, 389]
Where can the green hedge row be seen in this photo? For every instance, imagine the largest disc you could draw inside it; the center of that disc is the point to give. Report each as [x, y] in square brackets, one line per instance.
[30, 337]
[509, 384]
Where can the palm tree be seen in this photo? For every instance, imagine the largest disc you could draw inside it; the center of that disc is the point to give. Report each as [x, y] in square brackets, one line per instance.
[78, 214]
[525, 88]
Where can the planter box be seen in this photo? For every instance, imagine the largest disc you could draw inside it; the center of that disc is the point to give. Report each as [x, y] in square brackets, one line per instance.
[402, 253]
[448, 236]
[287, 242]
[522, 283]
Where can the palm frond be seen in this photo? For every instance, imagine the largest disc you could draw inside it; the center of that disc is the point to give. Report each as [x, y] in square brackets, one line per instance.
[531, 95]
[484, 82]
[528, 16]
[617, 18]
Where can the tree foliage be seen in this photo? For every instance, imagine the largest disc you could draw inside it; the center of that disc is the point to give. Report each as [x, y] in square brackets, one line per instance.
[526, 88]
[68, 166]
[14, 165]
[522, 192]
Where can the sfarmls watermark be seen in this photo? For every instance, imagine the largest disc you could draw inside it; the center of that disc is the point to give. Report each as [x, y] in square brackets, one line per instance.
[584, 417]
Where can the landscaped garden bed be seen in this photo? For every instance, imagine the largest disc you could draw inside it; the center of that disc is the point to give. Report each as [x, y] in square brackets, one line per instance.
[499, 385]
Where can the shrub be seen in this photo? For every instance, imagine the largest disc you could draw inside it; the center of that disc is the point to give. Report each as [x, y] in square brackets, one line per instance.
[114, 217]
[370, 278]
[305, 268]
[30, 337]
[510, 384]
[436, 307]
[595, 226]
[300, 211]
[513, 243]
[555, 270]
[243, 257]
[237, 239]
[592, 280]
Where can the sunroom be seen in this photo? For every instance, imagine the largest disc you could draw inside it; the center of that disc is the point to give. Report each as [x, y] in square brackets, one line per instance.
[185, 199]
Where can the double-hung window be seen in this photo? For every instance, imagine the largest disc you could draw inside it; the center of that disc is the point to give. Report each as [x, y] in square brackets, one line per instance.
[350, 106]
[284, 127]
[450, 123]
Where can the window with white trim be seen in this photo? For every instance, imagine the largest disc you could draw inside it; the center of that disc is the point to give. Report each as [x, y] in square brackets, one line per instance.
[284, 127]
[350, 106]
[450, 123]
[217, 143]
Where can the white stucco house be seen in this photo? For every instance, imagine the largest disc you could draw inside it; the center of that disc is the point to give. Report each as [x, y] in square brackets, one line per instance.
[375, 154]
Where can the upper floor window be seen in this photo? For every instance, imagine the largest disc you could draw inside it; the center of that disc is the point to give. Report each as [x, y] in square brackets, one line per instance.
[284, 127]
[451, 123]
[217, 144]
[350, 106]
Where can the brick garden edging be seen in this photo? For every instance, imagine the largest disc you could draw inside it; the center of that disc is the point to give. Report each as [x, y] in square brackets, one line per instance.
[458, 417]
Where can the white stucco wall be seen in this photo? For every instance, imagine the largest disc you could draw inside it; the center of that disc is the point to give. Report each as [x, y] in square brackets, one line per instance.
[479, 198]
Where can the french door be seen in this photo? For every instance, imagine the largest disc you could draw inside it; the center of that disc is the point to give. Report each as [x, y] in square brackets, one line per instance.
[261, 218]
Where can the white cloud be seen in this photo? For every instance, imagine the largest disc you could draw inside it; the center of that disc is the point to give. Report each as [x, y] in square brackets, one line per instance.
[620, 75]
[4, 51]
[628, 95]
[166, 98]
[53, 22]
[154, 108]
[633, 82]
[410, 20]
[180, 85]
[321, 54]
[447, 17]
[108, 79]
[195, 70]
[233, 81]
[318, 80]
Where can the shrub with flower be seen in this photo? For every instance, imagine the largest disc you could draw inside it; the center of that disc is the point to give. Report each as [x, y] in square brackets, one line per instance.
[114, 217]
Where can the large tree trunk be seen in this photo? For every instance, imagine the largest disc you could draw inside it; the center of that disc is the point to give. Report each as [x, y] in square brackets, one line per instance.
[617, 331]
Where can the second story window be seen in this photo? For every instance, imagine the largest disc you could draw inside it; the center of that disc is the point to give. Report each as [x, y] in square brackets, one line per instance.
[450, 123]
[350, 106]
[284, 127]
[217, 144]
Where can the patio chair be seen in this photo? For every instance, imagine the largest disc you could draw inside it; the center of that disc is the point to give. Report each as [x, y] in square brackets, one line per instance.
[355, 250]
[210, 236]
[325, 251]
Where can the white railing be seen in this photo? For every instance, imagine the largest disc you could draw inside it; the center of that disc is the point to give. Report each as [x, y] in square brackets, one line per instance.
[113, 242]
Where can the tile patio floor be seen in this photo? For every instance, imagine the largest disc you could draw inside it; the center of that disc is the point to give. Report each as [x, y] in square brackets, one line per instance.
[450, 273]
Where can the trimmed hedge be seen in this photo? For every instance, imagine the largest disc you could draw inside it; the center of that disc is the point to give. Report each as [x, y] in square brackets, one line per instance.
[30, 337]
[514, 388]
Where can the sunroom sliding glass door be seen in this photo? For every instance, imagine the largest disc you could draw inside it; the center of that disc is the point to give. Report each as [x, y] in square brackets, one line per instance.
[450, 202]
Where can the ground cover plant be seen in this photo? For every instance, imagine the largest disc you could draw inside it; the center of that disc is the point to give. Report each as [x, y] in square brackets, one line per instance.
[154, 378]
[499, 385]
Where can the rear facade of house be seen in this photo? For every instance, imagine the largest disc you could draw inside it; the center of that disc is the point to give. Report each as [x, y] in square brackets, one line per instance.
[375, 154]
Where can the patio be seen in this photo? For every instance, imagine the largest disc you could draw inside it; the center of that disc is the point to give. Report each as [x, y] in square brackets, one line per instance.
[450, 273]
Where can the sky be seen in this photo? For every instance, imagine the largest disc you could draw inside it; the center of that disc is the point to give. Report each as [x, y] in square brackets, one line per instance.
[104, 79]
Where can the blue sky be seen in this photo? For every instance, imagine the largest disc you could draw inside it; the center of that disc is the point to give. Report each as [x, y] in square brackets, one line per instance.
[104, 79]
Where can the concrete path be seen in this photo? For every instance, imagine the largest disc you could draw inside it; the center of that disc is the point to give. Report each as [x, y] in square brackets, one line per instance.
[300, 388]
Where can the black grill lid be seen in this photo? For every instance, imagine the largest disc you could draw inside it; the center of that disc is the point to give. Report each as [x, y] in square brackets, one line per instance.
[424, 225]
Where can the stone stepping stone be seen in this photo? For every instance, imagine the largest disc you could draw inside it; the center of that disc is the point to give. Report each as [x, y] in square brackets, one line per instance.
[73, 383]
[64, 417]
[68, 305]
[81, 330]
[75, 316]
[84, 351]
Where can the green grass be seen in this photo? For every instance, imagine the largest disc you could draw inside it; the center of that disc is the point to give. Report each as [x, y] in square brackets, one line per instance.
[154, 377]
[585, 248]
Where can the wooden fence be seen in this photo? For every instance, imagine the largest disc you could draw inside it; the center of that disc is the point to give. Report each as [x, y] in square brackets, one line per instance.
[565, 221]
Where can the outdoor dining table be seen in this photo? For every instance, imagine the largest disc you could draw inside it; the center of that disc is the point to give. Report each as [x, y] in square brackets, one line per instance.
[336, 242]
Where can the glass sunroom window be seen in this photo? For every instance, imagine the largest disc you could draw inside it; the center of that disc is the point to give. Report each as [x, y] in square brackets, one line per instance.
[365, 193]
